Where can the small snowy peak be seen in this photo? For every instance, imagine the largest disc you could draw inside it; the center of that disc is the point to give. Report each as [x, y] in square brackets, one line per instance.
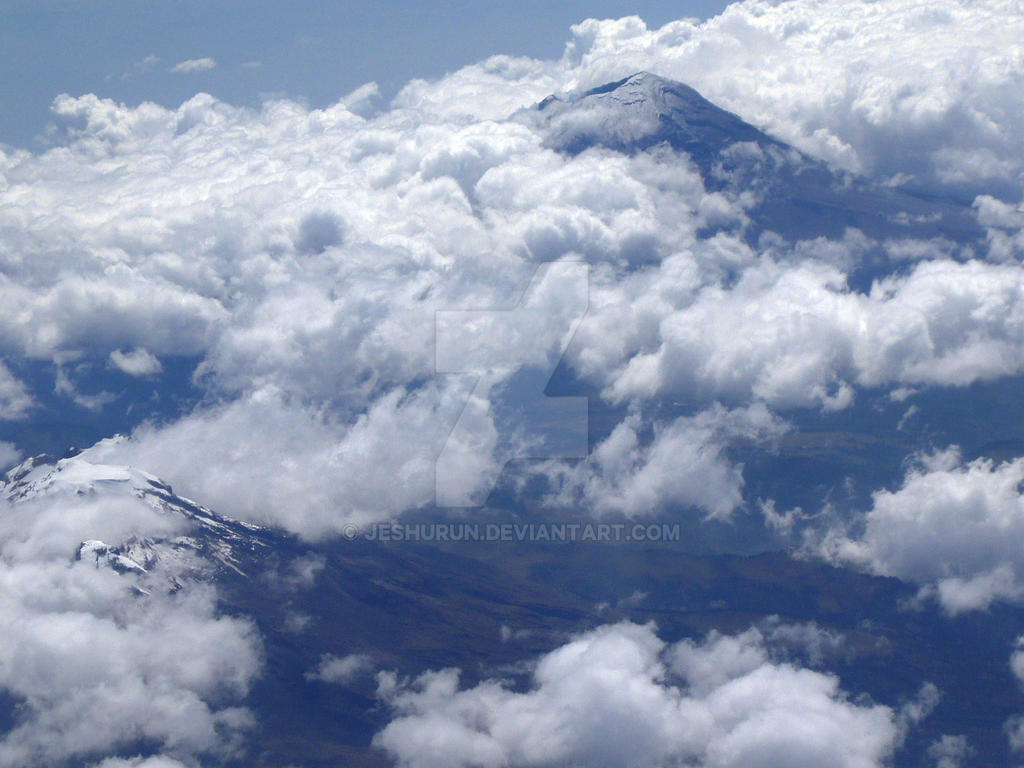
[639, 112]
[75, 475]
[96, 551]
[134, 555]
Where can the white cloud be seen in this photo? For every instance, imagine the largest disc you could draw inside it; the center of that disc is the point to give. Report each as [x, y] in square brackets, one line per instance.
[141, 762]
[807, 640]
[9, 455]
[1017, 661]
[949, 751]
[955, 528]
[892, 87]
[1005, 227]
[341, 670]
[1015, 725]
[121, 308]
[619, 696]
[190, 66]
[137, 362]
[303, 254]
[15, 401]
[265, 459]
[796, 335]
[140, 67]
[683, 464]
[927, 95]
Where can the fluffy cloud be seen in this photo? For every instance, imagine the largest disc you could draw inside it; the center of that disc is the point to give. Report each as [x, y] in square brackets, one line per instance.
[806, 640]
[926, 95]
[141, 762]
[955, 528]
[15, 401]
[796, 335]
[9, 455]
[137, 362]
[1017, 661]
[345, 669]
[1005, 227]
[683, 464]
[303, 255]
[620, 696]
[101, 313]
[1015, 725]
[949, 751]
[265, 459]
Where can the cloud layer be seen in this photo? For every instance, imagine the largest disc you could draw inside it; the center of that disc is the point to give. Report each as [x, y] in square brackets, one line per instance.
[302, 254]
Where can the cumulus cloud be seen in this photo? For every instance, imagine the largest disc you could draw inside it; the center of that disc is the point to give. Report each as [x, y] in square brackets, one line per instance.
[806, 640]
[796, 335]
[1015, 725]
[262, 458]
[953, 527]
[341, 670]
[619, 695]
[949, 751]
[137, 362]
[303, 255]
[1017, 661]
[318, 232]
[121, 308]
[928, 96]
[9, 455]
[191, 66]
[683, 464]
[1005, 227]
[15, 401]
[141, 762]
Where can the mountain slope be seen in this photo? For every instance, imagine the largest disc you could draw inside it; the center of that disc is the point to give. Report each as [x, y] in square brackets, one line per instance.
[795, 195]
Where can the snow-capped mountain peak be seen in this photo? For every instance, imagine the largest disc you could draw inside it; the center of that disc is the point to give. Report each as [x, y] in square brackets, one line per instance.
[38, 477]
[778, 187]
[639, 112]
[209, 545]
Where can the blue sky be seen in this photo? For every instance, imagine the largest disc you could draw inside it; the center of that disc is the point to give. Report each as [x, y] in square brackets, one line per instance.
[319, 51]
